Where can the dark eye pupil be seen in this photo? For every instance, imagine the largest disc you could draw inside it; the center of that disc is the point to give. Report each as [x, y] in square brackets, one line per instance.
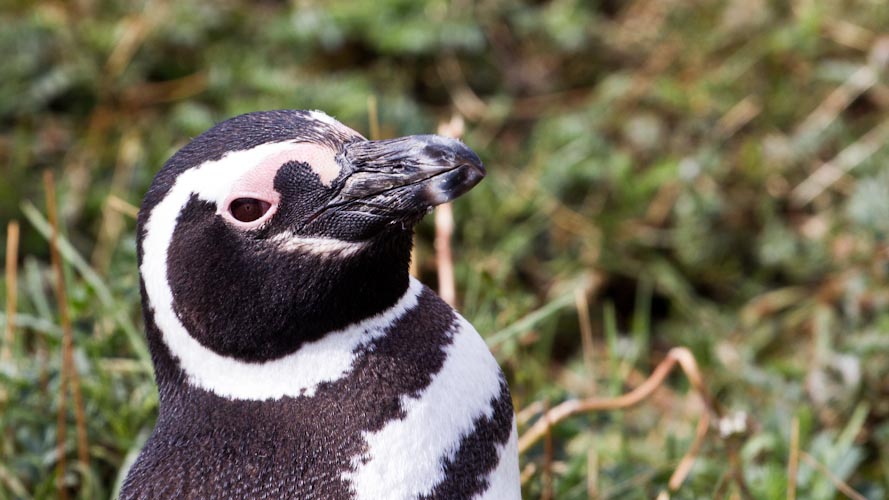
[248, 209]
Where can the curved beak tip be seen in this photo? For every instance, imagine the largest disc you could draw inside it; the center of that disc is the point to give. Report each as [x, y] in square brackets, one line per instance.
[454, 183]
[468, 172]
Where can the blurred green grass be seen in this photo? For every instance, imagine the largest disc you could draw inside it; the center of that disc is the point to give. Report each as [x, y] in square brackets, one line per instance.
[711, 174]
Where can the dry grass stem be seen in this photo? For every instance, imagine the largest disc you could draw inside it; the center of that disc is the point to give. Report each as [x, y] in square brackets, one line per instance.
[793, 459]
[150, 93]
[453, 128]
[527, 473]
[837, 101]
[642, 20]
[112, 223]
[69, 372]
[739, 115]
[832, 171]
[12, 249]
[688, 460]
[133, 29]
[61, 420]
[586, 335]
[524, 415]
[15, 486]
[838, 483]
[661, 207]
[592, 474]
[122, 206]
[373, 118]
[444, 259]
[846, 33]
[465, 100]
[677, 355]
[80, 161]
[547, 476]
[444, 228]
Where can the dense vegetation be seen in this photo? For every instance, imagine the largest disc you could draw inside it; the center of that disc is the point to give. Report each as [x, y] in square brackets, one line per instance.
[706, 174]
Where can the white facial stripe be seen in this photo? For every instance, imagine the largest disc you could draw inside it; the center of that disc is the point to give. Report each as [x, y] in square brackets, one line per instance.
[298, 373]
[403, 458]
[211, 181]
[332, 122]
[289, 242]
[321, 116]
[504, 482]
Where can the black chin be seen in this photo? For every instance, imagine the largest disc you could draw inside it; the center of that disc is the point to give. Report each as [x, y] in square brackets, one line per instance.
[364, 224]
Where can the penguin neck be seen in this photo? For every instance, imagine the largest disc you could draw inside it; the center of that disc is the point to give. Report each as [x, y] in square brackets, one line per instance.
[337, 294]
[365, 296]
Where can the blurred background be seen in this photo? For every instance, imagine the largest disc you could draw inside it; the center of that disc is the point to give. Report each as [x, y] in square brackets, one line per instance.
[662, 173]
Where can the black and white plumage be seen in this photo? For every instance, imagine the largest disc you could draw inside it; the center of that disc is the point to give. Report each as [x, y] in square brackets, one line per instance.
[294, 355]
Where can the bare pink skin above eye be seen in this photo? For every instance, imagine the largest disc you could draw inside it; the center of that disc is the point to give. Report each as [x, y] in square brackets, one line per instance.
[259, 182]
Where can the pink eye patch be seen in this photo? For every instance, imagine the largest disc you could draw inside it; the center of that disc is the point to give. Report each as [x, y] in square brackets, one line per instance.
[253, 200]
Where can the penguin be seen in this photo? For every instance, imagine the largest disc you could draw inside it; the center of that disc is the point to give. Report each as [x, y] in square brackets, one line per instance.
[295, 357]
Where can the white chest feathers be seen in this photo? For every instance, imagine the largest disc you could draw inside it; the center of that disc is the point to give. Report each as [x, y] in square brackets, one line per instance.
[405, 458]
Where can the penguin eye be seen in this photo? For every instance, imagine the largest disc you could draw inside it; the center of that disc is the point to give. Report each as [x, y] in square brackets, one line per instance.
[248, 209]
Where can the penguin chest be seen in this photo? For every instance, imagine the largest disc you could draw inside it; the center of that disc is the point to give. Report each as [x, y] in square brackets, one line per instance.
[446, 438]
[423, 411]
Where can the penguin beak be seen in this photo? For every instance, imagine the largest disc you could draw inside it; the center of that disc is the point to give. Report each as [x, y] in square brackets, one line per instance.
[407, 176]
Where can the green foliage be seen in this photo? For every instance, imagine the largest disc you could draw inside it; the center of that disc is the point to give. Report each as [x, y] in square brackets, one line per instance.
[655, 154]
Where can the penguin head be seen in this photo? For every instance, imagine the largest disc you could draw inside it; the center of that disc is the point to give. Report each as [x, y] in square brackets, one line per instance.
[273, 228]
